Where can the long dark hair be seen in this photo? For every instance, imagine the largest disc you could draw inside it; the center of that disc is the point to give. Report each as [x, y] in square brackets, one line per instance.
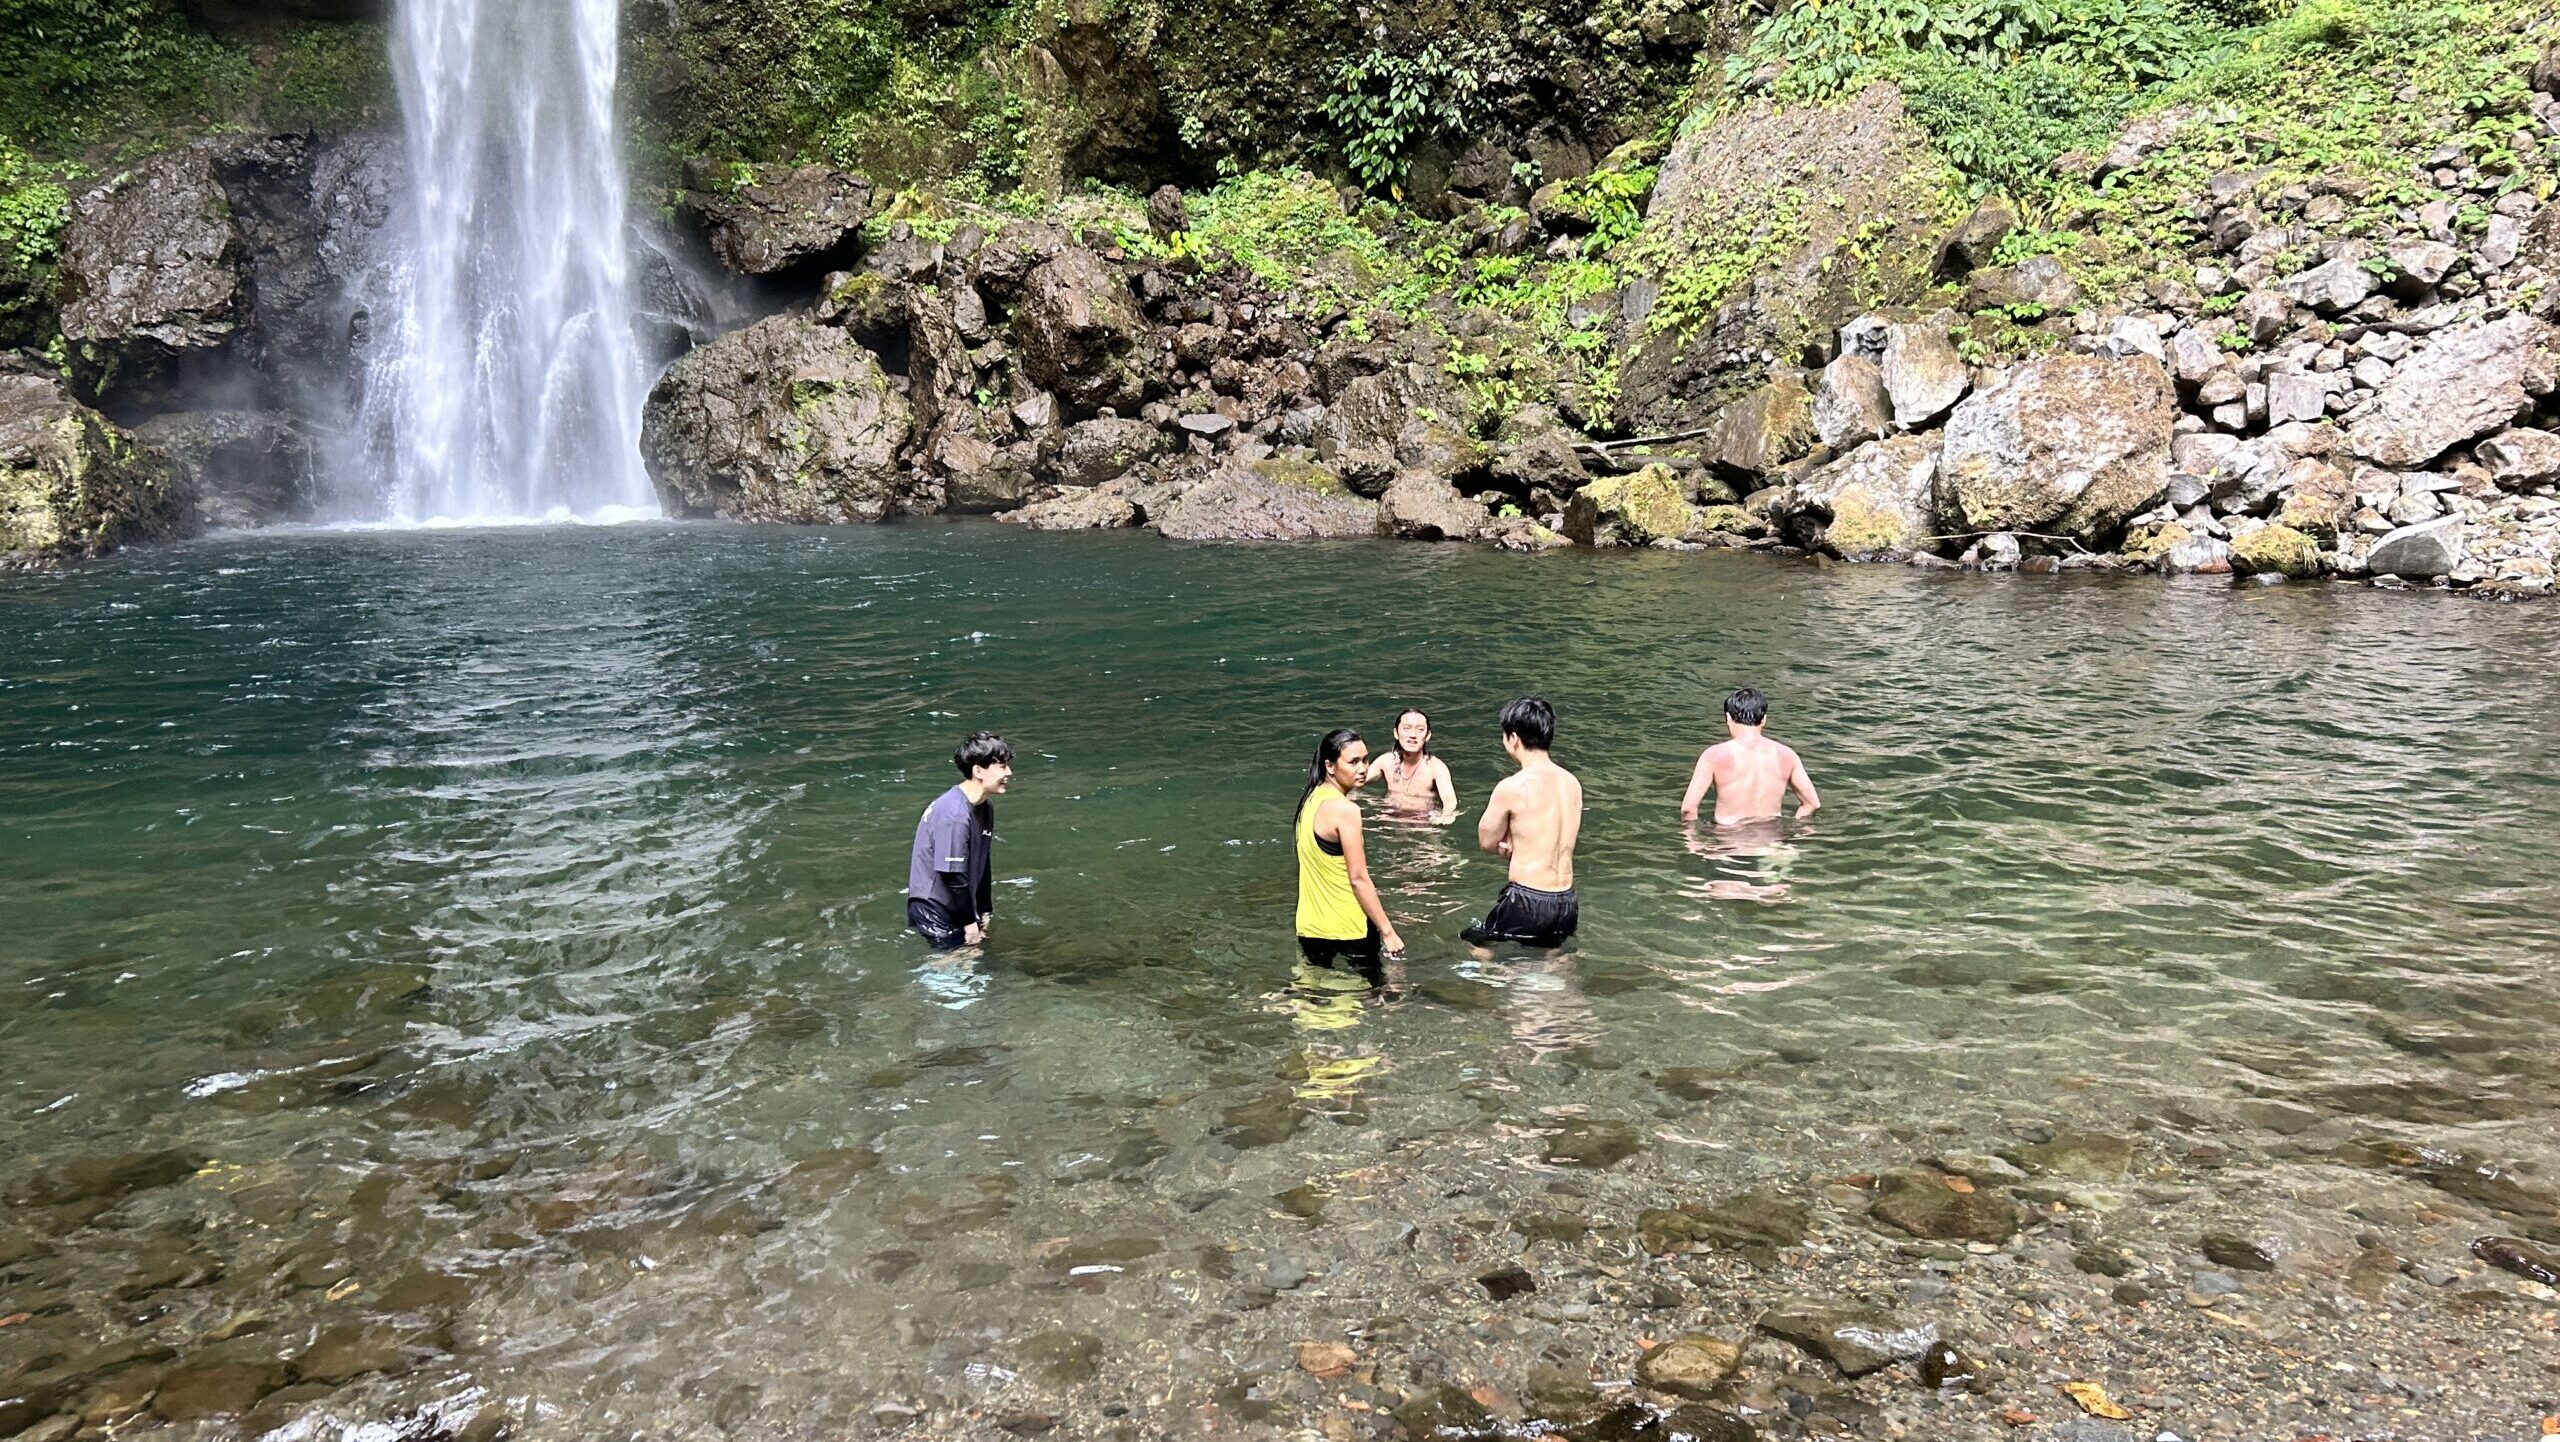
[1426, 729]
[1328, 750]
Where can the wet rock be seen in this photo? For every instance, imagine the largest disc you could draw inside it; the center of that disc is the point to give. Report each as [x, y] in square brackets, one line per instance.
[1877, 503]
[1100, 508]
[2462, 385]
[1942, 1366]
[1931, 1205]
[787, 420]
[1692, 1365]
[2275, 550]
[1979, 1167]
[1422, 506]
[1564, 1228]
[1632, 510]
[234, 469]
[1325, 1359]
[1692, 1083]
[2078, 1157]
[1750, 1219]
[1262, 1121]
[107, 1177]
[348, 1351]
[214, 1389]
[1166, 213]
[1269, 500]
[1592, 1142]
[1306, 1200]
[1855, 1339]
[1061, 1357]
[2422, 551]
[2524, 1259]
[1079, 335]
[2242, 1252]
[2072, 444]
[1504, 1283]
[152, 281]
[72, 484]
[774, 219]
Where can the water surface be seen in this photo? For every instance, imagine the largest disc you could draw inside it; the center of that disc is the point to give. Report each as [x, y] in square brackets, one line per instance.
[509, 923]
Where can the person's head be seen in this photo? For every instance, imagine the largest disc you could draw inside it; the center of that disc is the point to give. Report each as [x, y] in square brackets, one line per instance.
[1745, 709]
[1528, 724]
[1341, 758]
[1413, 731]
[985, 759]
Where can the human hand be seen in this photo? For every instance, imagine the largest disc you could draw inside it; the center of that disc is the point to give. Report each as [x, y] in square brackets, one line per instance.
[1806, 809]
[973, 933]
[1393, 943]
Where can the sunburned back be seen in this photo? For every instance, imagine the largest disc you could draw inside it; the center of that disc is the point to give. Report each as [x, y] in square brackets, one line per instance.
[1751, 778]
[1546, 820]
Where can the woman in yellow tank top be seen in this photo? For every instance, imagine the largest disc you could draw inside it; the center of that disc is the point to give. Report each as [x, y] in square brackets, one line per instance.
[1340, 918]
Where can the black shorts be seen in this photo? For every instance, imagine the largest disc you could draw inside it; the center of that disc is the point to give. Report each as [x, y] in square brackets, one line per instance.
[1365, 955]
[1528, 916]
[935, 925]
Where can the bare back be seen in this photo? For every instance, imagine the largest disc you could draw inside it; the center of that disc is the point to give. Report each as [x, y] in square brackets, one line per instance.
[1543, 809]
[1751, 775]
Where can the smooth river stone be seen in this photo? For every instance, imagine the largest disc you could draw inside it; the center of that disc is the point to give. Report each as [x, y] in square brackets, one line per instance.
[1857, 1340]
[1692, 1365]
[1592, 1142]
[2078, 1157]
[85, 1179]
[1923, 1203]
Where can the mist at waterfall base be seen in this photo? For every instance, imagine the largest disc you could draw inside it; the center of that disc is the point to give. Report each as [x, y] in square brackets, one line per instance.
[507, 378]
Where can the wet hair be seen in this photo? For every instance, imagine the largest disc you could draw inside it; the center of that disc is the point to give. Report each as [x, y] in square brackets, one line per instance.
[983, 748]
[1328, 750]
[1747, 706]
[1426, 726]
[1532, 720]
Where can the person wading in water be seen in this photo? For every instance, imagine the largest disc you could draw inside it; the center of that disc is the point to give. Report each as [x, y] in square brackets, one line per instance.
[1340, 919]
[1417, 779]
[1532, 820]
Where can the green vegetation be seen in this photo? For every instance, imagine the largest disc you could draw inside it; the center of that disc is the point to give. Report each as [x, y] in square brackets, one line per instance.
[1382, 104]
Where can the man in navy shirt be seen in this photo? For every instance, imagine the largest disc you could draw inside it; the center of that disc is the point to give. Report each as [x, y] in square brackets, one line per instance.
[950, 880]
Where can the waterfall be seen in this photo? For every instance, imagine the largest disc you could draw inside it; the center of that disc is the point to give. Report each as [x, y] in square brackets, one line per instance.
[507, 381]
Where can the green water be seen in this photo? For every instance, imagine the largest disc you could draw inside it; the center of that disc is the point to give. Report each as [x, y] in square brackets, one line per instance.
[501, 917]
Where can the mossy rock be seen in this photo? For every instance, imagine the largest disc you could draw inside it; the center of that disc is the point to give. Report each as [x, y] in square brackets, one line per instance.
[1634, 510]
[2145, 545]
[1730, 519]
[1305, 474]
[2279, 550]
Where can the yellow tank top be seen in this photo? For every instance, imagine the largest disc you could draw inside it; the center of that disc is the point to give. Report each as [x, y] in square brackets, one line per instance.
[1327, 910]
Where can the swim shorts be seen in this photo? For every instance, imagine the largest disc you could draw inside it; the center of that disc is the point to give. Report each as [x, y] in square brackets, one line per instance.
[1363, 955]
[934, 924]
[1528, 916]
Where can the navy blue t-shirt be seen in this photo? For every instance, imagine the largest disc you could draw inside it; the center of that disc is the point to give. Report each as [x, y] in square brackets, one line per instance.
[952, 863]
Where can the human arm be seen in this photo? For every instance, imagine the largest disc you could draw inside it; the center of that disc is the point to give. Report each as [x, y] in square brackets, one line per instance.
[1807, 801]
[1448, 792]
[1355, 862]
[1701, 781]
[1493, 829]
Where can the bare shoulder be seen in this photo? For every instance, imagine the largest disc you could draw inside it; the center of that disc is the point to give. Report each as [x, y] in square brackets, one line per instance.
[1789, 752]
[1439, 767]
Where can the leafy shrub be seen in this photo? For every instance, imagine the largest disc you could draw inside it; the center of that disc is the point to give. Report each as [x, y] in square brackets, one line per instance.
[34, 206]
[2003, 127]
[70, 66]
[1383, 103]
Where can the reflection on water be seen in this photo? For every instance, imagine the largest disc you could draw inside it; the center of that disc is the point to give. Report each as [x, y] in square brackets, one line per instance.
[495, 941]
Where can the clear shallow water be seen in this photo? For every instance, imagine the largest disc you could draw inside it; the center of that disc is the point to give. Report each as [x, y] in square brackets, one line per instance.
[509, 923]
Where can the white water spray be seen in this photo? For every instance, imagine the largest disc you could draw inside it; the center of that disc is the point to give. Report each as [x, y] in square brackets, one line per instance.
[509, 386]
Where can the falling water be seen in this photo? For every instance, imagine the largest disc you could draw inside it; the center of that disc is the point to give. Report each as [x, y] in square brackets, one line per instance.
[511, 385]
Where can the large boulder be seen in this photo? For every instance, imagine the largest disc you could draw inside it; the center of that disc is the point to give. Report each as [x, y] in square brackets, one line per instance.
[786, 420]
[72, 484]
[1918, 364]
[1762, 430]
[1079, 334]
[230, 470]
[2073, 445]
[1633, 510]
[152, 282]
[1269, 500]
[1770, 227]
[1091, 452]
[1404, 416]
[2425, 550]
[1423, 506]
[1850, 404]
[1879, 503]
[2465, 384]
[776, 219]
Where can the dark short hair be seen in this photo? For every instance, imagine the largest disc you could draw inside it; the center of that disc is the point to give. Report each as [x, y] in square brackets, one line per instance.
[1747, 706]
[1532, 720]
[983, 748]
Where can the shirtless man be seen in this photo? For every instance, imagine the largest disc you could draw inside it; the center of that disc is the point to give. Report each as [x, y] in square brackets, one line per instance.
[1417, 780]
[1750, 774]
[1532, 819]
